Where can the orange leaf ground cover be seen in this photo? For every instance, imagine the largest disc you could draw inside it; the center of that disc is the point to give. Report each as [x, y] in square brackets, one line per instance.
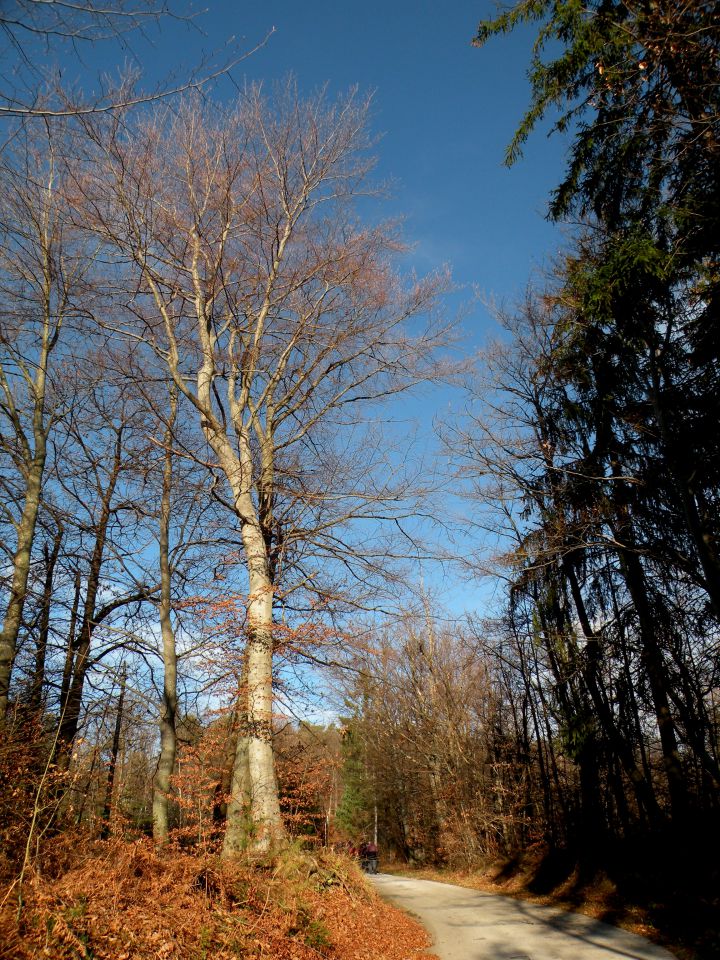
[128, 901]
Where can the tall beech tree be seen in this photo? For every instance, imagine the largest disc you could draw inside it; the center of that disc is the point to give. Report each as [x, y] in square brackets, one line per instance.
[277, 315]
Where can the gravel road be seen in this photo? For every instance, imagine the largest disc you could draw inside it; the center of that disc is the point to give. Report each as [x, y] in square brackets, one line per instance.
[469, 925]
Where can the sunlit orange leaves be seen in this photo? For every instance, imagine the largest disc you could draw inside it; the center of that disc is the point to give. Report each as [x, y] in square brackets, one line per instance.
[128, 901]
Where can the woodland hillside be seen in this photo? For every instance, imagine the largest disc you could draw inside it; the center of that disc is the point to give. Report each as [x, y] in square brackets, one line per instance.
[218, 673]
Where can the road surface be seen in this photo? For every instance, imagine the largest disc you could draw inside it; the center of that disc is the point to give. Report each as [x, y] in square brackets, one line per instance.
[469, 925]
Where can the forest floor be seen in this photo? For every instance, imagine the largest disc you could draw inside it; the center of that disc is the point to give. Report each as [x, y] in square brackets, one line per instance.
[115, 900]
[677, 912]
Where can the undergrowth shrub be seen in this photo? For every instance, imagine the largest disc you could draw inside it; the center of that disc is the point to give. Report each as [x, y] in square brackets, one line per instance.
[114, 900]
[23, 755]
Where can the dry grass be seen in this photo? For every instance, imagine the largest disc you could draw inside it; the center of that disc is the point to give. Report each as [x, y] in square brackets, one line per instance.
[128, 901]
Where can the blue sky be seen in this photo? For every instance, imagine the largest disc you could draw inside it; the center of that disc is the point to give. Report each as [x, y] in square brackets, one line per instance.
[444, 109]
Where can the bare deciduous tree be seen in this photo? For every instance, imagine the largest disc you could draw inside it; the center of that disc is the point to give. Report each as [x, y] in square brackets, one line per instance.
[44, 269]
[41, 31]
[279, 317]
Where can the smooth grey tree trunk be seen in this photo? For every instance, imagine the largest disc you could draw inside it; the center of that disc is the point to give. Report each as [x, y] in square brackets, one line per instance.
[168, 711]
[258, 791]
[260, 788]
